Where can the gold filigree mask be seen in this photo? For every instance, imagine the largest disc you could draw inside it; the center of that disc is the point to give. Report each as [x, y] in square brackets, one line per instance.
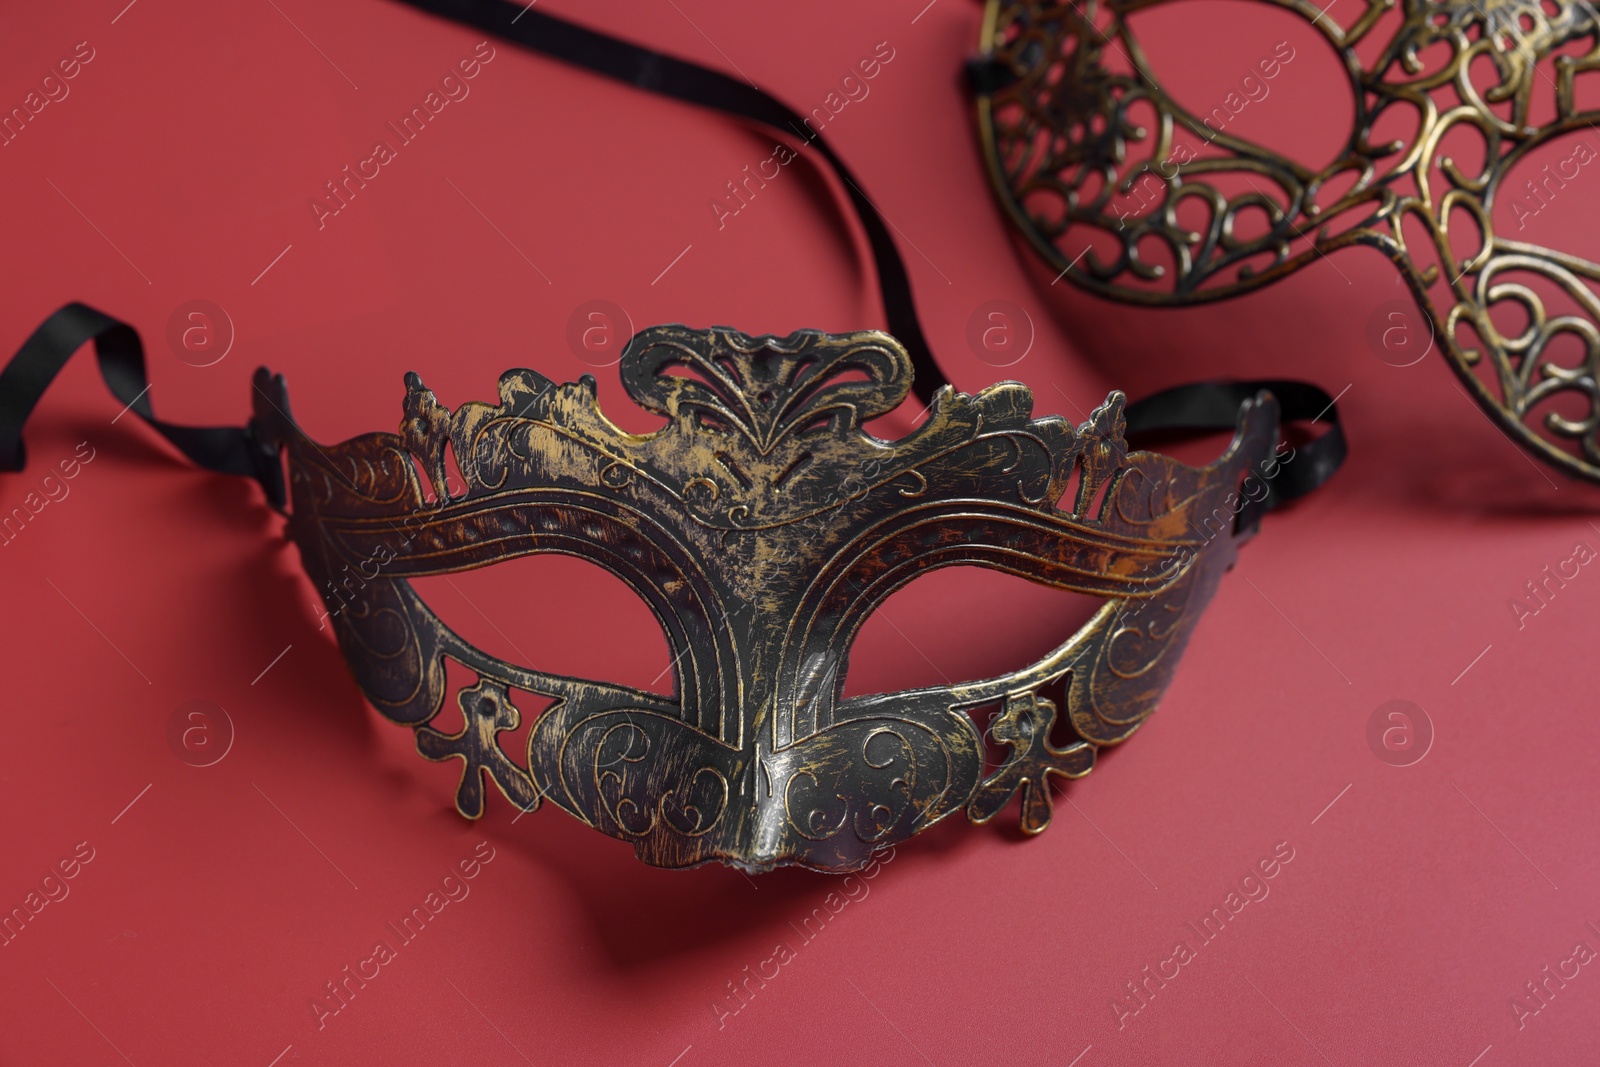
[1063, 91]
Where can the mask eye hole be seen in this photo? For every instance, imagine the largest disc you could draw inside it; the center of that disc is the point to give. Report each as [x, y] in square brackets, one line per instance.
[1272, 83]
[557, 614]
[1267, 72]
[960, 624]
[1548, 197]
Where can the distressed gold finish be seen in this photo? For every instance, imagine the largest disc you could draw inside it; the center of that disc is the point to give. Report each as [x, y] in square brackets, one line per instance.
[763, 524]
[1067, 157]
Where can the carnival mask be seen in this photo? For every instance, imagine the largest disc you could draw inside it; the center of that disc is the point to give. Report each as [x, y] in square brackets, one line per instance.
[762, 525]
[1097, 192]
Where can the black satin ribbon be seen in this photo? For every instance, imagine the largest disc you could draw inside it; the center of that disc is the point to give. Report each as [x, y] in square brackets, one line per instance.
[226, 449]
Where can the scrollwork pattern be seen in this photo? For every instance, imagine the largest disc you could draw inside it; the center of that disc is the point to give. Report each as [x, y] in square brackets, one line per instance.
[1072, 166]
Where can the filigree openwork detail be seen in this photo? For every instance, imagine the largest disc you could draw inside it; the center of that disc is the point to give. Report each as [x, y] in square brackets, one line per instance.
[1096, 191]
[763, 524]
[1024, 725]
[487, 710]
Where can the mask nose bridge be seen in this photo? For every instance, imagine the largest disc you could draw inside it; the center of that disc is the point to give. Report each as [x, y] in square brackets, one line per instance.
[768, 698]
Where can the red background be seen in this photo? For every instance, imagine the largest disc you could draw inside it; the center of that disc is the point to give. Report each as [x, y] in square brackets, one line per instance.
[219, 903]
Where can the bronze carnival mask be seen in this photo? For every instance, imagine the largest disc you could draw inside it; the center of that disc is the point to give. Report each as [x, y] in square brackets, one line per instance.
[762, 524]
[1096, 188]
